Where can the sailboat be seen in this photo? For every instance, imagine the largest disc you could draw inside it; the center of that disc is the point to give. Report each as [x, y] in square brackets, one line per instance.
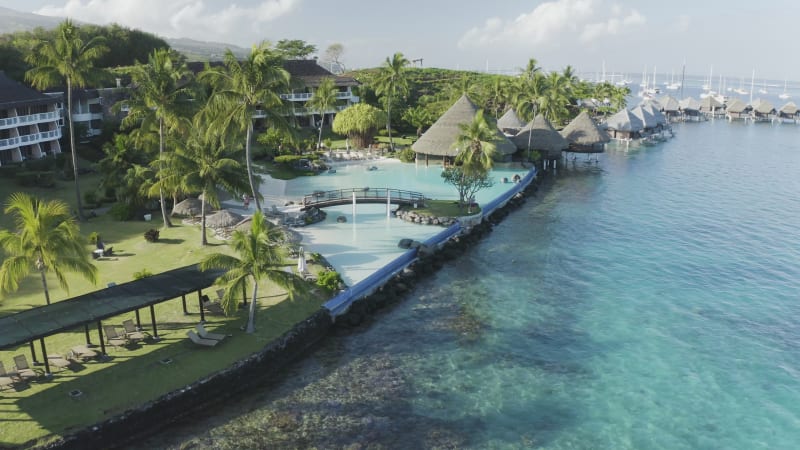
[707, 86]
[785, 95]
[763, 89]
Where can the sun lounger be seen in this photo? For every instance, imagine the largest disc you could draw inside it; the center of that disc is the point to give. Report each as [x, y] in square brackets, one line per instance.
[83, 352]
[212, 307]
[22, 368]
[200, 341]
[58, 361]
[131, 332]
[113, 338]
[205, 334]
[6, 378]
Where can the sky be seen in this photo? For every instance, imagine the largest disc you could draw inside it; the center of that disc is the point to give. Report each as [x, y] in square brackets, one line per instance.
[624, 36]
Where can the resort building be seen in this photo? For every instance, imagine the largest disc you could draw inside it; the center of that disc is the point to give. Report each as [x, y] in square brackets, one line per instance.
[30, 122]
[539, 135]
[584, 136]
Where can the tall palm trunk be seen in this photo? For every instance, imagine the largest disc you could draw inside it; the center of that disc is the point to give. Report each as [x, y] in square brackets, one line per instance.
[44, 285]
[251, 316]
[389, 122]
[247, 156]
[321, 123]
[74, 151]
[203, 240]
[167, 222]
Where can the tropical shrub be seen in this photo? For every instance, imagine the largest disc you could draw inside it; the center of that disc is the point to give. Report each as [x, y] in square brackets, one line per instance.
[407, 155]
[329, 279]
[93, 237]
[121, 211]
[144, 273]
[151, 235]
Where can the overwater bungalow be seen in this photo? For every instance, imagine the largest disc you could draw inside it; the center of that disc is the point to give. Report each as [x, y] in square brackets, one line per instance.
[540, 135]
[510, 123]
[584, 135]
[690, 110]
[738, 110]
[670, 107]
[624, 126]
[789, 113]
[763, 111]
[648, 120]
[438, 142]
[711, 107]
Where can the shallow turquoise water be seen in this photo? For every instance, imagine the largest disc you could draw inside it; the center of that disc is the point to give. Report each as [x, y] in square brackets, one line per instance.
[647, 301]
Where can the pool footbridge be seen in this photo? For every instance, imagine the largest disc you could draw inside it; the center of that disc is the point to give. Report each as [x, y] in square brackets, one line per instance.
[322, 199]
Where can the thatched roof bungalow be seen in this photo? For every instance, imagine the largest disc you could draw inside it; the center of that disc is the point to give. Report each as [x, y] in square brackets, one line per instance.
[584, 136]
[510, 123]
[624, 125]
[670, 107]
[648, 120]
[438, 142]
[690, 109]
[763, 110]
[661, 119]
[711, 107]
[541, 136]
[789, 112]
[738, 110]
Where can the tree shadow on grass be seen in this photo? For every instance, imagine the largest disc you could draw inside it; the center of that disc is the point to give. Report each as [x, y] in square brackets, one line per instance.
[170, 241]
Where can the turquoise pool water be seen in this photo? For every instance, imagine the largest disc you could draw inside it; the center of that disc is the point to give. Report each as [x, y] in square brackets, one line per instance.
[646, 302]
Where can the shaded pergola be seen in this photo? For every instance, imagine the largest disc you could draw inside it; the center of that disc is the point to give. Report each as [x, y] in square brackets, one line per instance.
[93, 307]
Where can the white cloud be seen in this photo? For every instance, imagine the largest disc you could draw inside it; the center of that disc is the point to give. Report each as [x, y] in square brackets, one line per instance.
[555, 23]
[198, 19]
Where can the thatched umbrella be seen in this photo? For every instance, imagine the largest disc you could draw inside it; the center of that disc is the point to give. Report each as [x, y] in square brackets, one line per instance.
[584, 136]
[510, 122]
[440, 137]
[223, 218]
[190, 207]
[542, 136]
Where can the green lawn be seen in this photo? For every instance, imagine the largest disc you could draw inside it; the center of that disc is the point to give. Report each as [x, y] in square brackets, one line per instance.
[444, 208]
[43, 409]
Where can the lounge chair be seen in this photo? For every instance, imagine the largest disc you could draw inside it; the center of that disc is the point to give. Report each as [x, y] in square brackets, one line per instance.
[132, 333]
[83, 352]
[205, 334]
[200, 341]
[113, 338]
[22, 368]
[6, 378]
[58, 361]
[212, 307]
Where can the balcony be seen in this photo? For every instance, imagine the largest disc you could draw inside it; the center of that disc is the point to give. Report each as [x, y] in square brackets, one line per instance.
[29, 139]
[87, 117]
[306, 96]
[13, 122]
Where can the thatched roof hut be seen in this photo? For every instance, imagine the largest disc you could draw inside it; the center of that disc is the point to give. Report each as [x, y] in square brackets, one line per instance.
[689, 104]
[584, 136]
[542, 136]
[624, 120]
[223, 218]
[788, 110]
[439, 139]
[668, 104]
[510, 123]
[737, 109]
[191, 207]
[648, 120]
[763, 107]
[654, 110]
[709, 105]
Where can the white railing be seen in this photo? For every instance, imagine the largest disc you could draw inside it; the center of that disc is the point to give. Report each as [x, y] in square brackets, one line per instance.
[86, 117]
[29, 139]
[305, 96]
[12, 122]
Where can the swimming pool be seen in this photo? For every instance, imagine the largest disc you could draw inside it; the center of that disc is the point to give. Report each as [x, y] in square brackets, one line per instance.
[368, 240]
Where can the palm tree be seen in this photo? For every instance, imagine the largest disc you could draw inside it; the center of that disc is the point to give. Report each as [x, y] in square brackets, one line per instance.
[392, 83]
[323, 100]
[242, 88]
[259, 258]
[161, 97]
[477, 143]
[202, 164]
[528, 95]
[556, 98]
[47, 239]
[66, 58]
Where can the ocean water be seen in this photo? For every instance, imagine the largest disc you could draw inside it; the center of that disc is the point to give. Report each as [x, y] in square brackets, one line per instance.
[649, 300]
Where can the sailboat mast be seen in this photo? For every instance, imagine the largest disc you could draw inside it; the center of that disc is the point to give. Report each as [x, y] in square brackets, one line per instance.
[683, 77]
[752, 84]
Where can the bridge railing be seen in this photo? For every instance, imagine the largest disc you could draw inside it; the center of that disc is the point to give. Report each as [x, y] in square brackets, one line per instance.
[337, 195]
